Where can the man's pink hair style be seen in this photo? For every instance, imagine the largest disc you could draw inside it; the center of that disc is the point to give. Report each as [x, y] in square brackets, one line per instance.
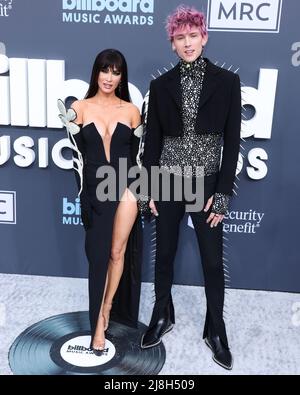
[185, 16]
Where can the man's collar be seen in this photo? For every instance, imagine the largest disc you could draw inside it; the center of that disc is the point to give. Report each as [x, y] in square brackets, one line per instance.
[192, 68]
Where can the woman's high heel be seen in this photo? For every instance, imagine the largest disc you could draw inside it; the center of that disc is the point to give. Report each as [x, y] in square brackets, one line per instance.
[106, 313]
[99, 346]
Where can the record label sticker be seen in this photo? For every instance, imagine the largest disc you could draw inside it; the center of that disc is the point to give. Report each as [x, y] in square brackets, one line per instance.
[76, 351]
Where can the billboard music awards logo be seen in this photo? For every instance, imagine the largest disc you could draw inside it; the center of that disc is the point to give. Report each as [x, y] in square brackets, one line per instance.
[71, 212]
[77, 352]
[5, 7]
[247, 16]
[112, 12]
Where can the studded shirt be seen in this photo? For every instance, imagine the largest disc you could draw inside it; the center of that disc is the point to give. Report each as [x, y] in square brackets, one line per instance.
[192, 154]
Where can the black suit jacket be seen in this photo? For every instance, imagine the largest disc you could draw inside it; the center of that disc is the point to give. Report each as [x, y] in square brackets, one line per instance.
[219, 111]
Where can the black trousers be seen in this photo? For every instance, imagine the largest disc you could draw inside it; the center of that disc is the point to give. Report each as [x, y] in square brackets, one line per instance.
[211, 251]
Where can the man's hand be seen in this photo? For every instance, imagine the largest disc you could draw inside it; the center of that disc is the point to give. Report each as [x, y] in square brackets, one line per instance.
[213, 218]
[153, 208]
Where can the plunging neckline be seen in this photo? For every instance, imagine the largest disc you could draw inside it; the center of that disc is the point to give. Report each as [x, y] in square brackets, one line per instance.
[102, 141]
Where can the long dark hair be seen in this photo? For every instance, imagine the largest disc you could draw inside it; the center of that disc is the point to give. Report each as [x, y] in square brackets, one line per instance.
[113, 59]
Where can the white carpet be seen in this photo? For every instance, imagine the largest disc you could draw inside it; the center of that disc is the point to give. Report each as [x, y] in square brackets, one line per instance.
[263, 330]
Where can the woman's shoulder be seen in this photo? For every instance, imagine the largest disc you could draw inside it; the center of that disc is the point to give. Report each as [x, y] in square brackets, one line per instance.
[79, 107]
[135, 115]
[79, 104]
[133, 109]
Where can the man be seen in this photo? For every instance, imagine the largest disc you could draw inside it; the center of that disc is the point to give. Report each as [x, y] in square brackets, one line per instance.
[193, 108]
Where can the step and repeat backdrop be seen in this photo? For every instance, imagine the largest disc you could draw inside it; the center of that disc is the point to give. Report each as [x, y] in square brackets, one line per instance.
[47, 49]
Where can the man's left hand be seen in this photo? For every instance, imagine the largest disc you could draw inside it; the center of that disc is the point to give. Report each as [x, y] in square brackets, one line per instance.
[213, 218]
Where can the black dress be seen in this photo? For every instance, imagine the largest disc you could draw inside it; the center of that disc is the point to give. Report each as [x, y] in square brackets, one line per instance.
[98, 218]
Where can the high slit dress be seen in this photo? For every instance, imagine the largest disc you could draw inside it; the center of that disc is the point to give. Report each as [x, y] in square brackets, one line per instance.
[100, 220]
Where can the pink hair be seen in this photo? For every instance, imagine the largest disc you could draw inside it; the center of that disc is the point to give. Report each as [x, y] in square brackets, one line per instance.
[185, 16]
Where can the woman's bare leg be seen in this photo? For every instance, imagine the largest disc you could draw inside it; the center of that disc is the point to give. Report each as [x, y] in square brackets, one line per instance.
[124, 220]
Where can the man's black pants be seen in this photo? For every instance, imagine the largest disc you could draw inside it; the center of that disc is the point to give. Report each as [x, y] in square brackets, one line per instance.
[211, 250]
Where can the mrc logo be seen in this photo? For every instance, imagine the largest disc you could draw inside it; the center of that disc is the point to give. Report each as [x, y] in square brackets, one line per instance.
[238, 15]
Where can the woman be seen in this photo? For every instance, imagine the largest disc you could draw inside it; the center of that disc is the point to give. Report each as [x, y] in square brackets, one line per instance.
[103, 133]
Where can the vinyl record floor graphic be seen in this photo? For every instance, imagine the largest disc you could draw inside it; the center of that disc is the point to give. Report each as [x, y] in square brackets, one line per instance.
[59, 345]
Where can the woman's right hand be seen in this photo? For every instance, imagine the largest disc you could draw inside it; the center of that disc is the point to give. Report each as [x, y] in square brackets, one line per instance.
[86, 219]
[153, 208]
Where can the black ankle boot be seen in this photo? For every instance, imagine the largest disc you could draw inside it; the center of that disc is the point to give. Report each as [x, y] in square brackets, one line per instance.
[152, 337]
[221, 354]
